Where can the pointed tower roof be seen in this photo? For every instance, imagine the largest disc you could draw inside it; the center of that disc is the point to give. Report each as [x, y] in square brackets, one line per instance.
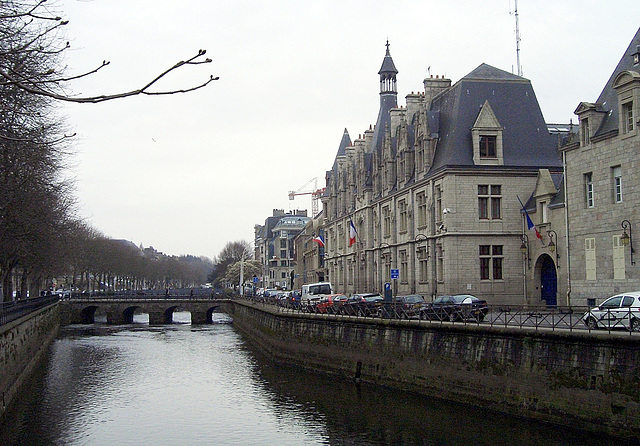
[344, 143]
[388, 99]
[387, 63]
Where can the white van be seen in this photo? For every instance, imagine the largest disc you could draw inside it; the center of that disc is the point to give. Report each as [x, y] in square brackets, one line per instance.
[313, 292]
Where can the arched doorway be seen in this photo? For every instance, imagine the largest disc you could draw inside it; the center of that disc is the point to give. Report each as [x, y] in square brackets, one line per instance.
[548, 280]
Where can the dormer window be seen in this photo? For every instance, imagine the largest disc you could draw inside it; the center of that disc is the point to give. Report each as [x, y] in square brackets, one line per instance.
[488, 146]
[486, 136]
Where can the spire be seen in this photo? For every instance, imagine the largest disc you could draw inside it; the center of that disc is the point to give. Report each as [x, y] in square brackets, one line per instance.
[387, 74]
[388, 98]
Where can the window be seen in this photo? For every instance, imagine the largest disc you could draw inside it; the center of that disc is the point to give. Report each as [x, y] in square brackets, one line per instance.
[491, 259]
[544, 216]
[586, 131]
[627, 117]
[402, 206]
[283, 253]
[439, 263]
[489, 202]
[618, 258]
[617, 184]
[590, 258]
[386, 221]
[404, 266]
[421, 200]
[423, 271]
[438, 193]
[283, 275]
[420, 156]
[588, 189]
[488, 147]
[283, 242]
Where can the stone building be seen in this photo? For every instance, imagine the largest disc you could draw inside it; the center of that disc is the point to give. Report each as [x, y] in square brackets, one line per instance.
[544, 246]
[309, 265]
[603, 187]
[274, 248]
[431, 190]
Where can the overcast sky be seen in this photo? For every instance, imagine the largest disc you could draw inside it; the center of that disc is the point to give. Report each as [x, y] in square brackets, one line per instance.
[188, 173]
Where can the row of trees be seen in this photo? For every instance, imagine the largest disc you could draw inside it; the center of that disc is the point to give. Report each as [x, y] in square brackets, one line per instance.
[235, 260]
[41, 237]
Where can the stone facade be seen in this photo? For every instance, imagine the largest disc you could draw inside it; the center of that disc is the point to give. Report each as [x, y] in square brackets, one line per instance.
[432, 189]
[274, 247]
[309, 254]
[603, 187]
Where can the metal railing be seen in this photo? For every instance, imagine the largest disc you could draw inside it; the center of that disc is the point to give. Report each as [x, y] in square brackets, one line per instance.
[10, 311]
[573, 318]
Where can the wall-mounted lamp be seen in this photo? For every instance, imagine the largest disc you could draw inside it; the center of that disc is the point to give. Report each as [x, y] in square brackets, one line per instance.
[385, 250]
[422, 251]
[524, 248]
[627, 239]
[552, 245]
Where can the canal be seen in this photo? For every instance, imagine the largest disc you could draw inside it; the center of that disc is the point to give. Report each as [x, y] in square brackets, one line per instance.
[205, 385]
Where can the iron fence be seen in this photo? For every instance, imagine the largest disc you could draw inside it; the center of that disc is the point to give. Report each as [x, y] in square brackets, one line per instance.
[575, 318]
[10, 311]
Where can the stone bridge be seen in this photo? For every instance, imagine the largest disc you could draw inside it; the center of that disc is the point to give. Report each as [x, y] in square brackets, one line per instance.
[120, 309]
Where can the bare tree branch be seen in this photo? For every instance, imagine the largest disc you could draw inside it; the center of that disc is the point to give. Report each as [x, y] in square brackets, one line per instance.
[32, 87]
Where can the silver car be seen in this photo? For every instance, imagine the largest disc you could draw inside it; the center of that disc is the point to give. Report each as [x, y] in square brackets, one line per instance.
[619, 311]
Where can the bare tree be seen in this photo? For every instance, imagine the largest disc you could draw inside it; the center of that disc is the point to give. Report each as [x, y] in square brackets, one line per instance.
[37, 222]
[30, 31]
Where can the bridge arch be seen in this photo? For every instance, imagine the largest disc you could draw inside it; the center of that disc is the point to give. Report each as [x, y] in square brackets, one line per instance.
[88, 314]
[128, 313]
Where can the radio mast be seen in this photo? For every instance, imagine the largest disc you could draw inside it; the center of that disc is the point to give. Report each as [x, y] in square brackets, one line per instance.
[517, 39]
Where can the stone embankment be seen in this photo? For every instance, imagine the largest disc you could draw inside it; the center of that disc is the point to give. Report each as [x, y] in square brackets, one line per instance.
[589, 381]
[23, 342]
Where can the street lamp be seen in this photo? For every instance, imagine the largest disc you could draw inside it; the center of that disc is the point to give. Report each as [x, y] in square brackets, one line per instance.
[418, 238]
[627, 239]
[552, 245]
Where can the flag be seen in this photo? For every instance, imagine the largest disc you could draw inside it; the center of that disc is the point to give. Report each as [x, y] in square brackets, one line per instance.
[530, 224]
[319, 241]
[352, 233]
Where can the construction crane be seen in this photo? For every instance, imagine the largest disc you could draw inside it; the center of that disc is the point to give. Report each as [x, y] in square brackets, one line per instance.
[315, 193]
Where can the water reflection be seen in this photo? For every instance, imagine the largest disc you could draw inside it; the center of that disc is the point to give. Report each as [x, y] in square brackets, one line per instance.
[183, 384]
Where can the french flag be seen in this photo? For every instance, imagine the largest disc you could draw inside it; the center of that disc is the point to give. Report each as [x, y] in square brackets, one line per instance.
[530, 224]
[352, 233]
[319, 241]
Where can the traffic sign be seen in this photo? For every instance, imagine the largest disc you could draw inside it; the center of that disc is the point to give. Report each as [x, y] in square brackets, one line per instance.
[395, 273]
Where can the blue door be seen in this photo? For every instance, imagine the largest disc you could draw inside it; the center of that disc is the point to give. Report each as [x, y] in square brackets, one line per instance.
[548, 281]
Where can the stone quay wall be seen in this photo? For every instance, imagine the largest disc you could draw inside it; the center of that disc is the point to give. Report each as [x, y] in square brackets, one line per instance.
[589, 381]
[23, 343]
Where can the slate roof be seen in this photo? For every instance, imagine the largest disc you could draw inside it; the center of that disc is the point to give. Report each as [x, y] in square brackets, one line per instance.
[526, 140]
[387, 63]
[608, 98]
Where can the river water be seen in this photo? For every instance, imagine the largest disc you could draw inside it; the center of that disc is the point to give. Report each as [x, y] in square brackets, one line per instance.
[205, 385]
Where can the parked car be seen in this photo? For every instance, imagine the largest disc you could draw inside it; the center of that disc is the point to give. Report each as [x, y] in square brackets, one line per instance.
[367, 304]
[331, 303]
[311, 293]
[619, 311]
[403, 306]
[460, 307]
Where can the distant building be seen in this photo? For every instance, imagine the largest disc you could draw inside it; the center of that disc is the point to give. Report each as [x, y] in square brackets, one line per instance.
[602, 175]
[432, 189]
[274, 247]
[309, 251]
